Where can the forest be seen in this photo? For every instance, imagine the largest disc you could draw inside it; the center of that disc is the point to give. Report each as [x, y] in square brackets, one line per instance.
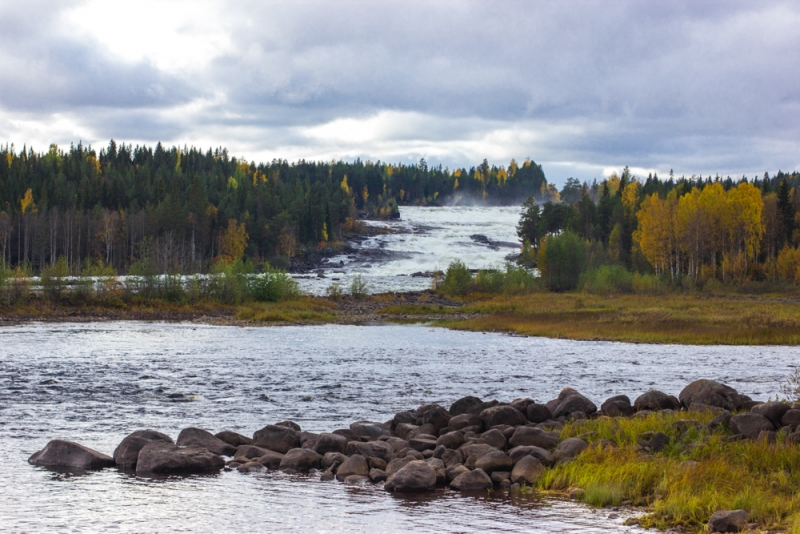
[179, 210]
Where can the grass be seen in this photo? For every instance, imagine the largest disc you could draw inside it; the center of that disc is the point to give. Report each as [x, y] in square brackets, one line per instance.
[762, 478]
[682, 319]
[303, 310]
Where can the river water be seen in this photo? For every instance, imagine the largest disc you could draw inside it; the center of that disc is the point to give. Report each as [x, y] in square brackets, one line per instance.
[422, 241]
[95, 383]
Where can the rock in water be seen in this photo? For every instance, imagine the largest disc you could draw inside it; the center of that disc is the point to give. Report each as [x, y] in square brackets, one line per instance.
[416, 476]
[232, 438]
[475, 480]
[463, 404]
[164, 459]
[711, 393]
[571, 401]
[68, 454]
[127, 452]
[300, 461]
[197, 437]
[527, 470]
[355, 465]
[277, 438]
[330, 443]
[494, 461]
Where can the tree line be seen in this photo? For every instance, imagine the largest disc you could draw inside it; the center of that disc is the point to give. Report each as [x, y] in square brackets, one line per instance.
[182, 209]
[697, 228]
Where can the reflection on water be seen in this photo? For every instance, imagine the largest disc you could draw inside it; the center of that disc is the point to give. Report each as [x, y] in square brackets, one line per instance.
[95, 383]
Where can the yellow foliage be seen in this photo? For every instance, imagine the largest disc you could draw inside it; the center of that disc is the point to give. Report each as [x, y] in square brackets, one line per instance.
[344, 186]
[788, 264]
[27, 202]
[512, 168]
[324, 231]
[455, 184]
[364, 194]
[233, 241]
[502, 176]
[457, 173]
[9, 159]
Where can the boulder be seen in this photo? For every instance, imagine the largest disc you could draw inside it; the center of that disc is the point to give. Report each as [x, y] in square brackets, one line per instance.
[250, 467]
[522, 404]
[462, 405]
[527, 470]
[711, 393]
[655, 400]
[571, 401]
[407, 417]
[355, 465]
[479, 449]
[377, 475]
[277, 438]
[249, 452]
[571, 447]
[537, 437]
[404, 429]
[416, 476]
[367, 429]
[376, 463]
[618, 406]
[308, 440]
[750, 424]
[451, 457]
[791, 418]
[347, 433]
[502, 415]
[70, 455]
[427, 429]
[232, 438]
[475, 480]
[499, 476]
[723, 419]
[653, 441]
[494, 461]
[436, 416]
[462, 421]
[197, 437]
[398, 444]
[451, 440]
[300, 461]
[290, 424]
[398, 463]
[438, 466]
[378, 449]
[728, 521]
[478, 408]
[422, 443]
[329, 442]
[330, 458]
[495, 438]
[774, 411]
[538, 413]
[127, 452]
[158, 457]
[518, 453]
[271, 460]
[453, 471]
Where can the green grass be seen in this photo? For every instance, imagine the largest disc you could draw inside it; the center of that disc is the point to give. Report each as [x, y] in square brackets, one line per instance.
[757, 476]
[299, 311]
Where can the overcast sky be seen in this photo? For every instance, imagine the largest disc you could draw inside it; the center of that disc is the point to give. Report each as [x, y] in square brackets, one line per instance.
[581, 87]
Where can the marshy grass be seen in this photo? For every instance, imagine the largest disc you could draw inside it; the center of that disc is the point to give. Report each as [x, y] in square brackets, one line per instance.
[299, 311]
[698, 473]
[682, 319]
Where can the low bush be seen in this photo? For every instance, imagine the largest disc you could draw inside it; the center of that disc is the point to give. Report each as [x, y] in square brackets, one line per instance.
[457, 280]
[273, 285]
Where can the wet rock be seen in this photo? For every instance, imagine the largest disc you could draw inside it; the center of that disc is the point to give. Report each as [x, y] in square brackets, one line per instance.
[330, 458]
[377, 475]
[544, 456]
[571, 447]
[537, 437]
[162, 458]
[462, 405]
[355, 465]
[711, 393]
[249, 452]
[376, 463]
[356, 480]
[791, 418]
[451, 458]
[494, 461]
[250, 467]
[618, 406]
[499, 476]
[502, 415]
[572, 401]
[271, 460]
[655, 400]
[723, 419]
[329, 442]
[290, 424]
[774, 411]
[127, 452]
[68, 454]
[728, 521]
[367, 429]
[277, 438]
[495, 438]
[416, 476]
[378, 449]
[750, 424]
[475, 480]
[453, 471]
[538, 413]
[451, 440]
[232, 438]
[300, 461]
[460, 422]
[438, 466]
[197, 437]
[527, 470]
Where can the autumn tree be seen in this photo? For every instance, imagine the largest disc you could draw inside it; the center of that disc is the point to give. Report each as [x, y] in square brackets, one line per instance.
[233, 241]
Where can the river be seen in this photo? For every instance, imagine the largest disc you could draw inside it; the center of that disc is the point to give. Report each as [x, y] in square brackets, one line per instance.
[95, 383]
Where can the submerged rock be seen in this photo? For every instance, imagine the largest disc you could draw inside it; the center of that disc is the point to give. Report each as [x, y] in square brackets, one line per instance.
[475, 480]
[416, 476]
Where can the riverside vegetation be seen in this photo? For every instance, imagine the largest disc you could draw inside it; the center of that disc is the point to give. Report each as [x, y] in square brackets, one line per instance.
[710, 457]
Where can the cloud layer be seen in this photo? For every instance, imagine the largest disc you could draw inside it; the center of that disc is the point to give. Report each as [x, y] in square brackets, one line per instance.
[580, 87]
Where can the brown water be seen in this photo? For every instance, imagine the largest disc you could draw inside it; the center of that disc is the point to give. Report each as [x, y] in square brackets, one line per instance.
[95, 383]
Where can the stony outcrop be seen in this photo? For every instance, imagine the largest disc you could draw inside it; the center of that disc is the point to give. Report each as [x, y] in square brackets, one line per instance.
[278, 438]
[162, 458]
[415, 476]
[70, 455]
[127, 452]
[197, 437]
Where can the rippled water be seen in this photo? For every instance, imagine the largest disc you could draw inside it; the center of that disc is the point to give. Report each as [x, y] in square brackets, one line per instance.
[95, 383]
[424, 240]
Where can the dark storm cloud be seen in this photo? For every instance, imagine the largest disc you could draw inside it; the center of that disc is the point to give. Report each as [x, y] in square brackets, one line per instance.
[695, 86]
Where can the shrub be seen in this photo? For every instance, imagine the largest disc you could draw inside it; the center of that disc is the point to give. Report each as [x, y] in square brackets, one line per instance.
[607, 279]
[55, 279]
[273, 285]
[334, 291]
[457, 279]
[358, 287]
[228, 282]
[561, 260]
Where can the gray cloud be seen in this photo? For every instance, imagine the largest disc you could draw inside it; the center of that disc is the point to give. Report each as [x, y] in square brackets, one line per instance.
[699, 87]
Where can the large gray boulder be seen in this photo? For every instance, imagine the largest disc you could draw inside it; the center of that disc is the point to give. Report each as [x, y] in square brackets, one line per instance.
[538, 413]
[478, 449]
[127, 452]
[271, 460]
[711, 393]
[464, 420]
[197, 437]
[415, 476]
[371, 449]
[728, 521]
[571, 447]
[233, 438]
[162, 458]
[277, 438]
[774, 411]
[750, 424]
[791, 418]
[355, 465]
[328, 442]
[527, 470]
[526, 435]
[502, 415]
[544, 456]
[494, 461]
[300, 461]
[655, 401]
[462, 405]
[451, 440]
[436, 416]
[618, 406]
[570, 401]
[249, 452]
[70, 455]
[475, 480]
[367, 429]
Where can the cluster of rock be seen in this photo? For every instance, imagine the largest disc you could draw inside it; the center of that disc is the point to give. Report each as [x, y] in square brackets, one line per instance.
[472, 446]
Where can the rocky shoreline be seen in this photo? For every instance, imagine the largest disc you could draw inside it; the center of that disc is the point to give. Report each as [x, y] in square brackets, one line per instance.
[472, 446]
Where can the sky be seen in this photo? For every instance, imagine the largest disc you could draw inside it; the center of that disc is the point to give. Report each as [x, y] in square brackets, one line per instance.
[581, 87]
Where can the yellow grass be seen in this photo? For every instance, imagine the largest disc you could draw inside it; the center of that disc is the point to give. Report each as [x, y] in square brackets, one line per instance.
[300, 311]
